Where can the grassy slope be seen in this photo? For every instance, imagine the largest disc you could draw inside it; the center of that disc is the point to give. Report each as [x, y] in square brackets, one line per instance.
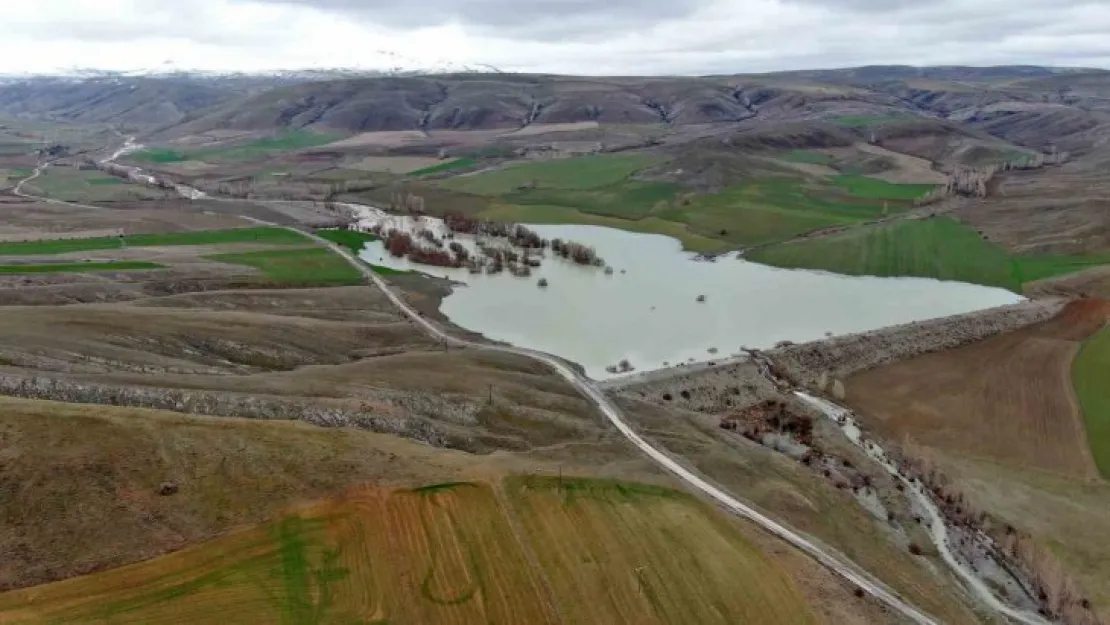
[867, 187]
[609, 552]
[268, 235]
[297, 267]
[761, 210]
[79, 490]
[572, 174]
[79, 267]
[458, 163]
[929, 248]
[933, 248]
[1091, 375]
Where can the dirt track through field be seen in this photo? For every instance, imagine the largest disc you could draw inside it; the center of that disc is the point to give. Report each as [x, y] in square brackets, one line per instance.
[1009, 398]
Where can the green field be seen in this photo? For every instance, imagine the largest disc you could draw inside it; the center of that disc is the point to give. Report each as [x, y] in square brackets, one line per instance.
[1091, 376]
[1031, 268]
[350, 239]
[458, 163]
[268, 235]
[867, 187]
[599, 190]
[570, 174]
[159, 156]
[811, 157]
[79, 267]
[254, 150]
[939, 248]
[630, 199]
[931, 248]
[297, 267]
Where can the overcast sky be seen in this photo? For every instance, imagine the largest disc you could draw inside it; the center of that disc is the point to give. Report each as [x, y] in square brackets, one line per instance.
[564, 36]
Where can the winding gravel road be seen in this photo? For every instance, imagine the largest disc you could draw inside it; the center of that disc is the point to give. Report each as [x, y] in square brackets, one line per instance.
[586, 387]
[613, 414]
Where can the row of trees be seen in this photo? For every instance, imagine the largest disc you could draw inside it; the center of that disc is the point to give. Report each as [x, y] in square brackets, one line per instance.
[1060, 595]
[976, 182]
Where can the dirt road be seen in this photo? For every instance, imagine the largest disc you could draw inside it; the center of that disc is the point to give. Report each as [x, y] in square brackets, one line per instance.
[845, 569]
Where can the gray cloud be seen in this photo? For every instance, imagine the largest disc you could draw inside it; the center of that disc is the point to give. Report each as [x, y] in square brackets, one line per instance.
[544, 20]
[562, 36]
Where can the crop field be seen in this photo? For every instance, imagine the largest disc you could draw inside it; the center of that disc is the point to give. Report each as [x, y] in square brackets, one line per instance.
[1091, 373]
[651, 556]
[1032, 268]
[625, 200]
[350, 239]
[79, 267]
[254, 150]
[571, 174]
[450, 165]
[934, 248]
[604, 552]
[267, 235]
[867, 187]
[938, 248]
[1008, 399]
[313, 266]
[759, 210]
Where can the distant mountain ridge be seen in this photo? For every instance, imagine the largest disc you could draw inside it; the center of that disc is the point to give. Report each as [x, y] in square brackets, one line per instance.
[1039, 107]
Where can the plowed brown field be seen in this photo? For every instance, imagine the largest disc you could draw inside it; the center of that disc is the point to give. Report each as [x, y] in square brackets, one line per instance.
[1008, 398]
[552, 551]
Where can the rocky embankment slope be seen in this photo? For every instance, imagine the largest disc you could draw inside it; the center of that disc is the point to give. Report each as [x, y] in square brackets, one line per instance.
[821, 363]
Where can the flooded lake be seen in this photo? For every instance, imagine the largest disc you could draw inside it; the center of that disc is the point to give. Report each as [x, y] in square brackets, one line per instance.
[647, 311]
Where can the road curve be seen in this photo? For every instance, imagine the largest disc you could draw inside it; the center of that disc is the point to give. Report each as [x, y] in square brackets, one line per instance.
[586, 387]
[613, 414]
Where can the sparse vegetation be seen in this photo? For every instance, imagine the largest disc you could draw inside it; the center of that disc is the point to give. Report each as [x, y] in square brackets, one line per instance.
[863, 121]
